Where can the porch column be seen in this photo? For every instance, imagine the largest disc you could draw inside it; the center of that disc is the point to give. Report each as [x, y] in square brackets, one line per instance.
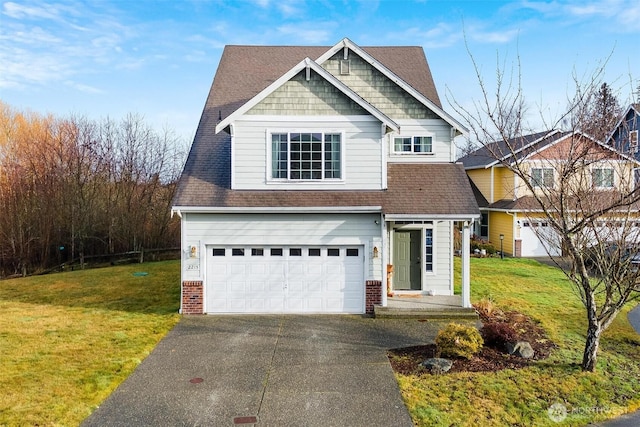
[466, 256]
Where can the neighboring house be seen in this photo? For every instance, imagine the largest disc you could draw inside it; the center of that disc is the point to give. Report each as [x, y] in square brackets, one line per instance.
[312, 170]
[624, 137]
[509, 210]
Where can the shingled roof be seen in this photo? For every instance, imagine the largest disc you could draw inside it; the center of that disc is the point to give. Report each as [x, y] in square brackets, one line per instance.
[244, 71]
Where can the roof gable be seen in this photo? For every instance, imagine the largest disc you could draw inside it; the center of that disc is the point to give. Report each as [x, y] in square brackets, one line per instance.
[307, 64]
[529, 147]
[435, 106]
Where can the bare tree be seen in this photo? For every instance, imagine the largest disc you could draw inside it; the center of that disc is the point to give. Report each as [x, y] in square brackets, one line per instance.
[590, 221]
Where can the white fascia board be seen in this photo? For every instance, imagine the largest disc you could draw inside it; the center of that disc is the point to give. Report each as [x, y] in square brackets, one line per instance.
[278, 209]
[427, 217]
[307, 63]
[396, 79]
[515, 153]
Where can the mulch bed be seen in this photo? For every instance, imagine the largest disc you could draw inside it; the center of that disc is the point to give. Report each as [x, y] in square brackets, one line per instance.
[407, 360]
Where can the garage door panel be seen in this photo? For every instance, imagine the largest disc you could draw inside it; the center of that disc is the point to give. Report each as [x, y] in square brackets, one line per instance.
[295, 280]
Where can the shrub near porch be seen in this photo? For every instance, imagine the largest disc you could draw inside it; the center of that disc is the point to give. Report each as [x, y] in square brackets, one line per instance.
[522, 397]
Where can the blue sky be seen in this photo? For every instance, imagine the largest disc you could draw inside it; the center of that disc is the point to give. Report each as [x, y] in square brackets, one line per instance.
[158, 58]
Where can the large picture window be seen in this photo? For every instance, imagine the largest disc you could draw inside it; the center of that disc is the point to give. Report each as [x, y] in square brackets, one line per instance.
[413, 144]
[306, 156]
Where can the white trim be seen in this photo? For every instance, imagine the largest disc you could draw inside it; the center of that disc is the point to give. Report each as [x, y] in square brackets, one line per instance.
[278, 209]
[396, 79]
[270, 180]
[428, 217]
[288, 118]
[422, 134]
[233, 156]
[383, 155]
[307, 63]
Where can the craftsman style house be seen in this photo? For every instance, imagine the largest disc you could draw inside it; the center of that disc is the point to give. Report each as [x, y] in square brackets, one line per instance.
[510, 215]
[315, 171]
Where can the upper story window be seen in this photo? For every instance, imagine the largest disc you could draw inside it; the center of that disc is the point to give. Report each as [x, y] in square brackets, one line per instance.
[306, 156]
[602, 177]
[413, 144]
[633, 142]
[542, 177]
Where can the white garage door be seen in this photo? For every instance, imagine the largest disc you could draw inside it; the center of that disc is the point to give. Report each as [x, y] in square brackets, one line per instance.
[531, 244]
[302, 279]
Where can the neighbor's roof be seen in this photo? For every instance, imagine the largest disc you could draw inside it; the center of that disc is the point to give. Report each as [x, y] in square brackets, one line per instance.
[244, 71]
[493, 153]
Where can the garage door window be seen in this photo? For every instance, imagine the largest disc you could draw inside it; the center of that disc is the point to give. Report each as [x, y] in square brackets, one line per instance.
[314, 251]
[352, 252]
[257, 252]
[237, 252]
[276, 251]
[333, 252]
[295, 252]
[218, 251]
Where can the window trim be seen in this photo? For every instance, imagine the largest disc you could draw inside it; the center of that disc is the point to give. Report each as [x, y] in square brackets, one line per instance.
[269, 149]
[541, 184]
[603, 187]
[634, 142]
[412, 152]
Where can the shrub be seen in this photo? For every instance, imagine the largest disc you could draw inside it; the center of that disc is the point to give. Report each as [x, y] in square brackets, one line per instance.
[457, 340]
[498, 334]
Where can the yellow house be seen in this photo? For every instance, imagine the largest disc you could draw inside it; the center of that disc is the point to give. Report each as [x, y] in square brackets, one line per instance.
[511, 219]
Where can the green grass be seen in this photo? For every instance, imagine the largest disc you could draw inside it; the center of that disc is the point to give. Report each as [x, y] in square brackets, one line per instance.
[68, 340]
[522, 397]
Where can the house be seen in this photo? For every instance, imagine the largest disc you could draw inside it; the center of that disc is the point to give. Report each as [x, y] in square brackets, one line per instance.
[511, 217]
[314, 171]
[624, 137]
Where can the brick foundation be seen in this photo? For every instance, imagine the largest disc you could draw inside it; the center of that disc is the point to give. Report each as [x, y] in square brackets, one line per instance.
[192, 297]
[373, 295]
[517, 248]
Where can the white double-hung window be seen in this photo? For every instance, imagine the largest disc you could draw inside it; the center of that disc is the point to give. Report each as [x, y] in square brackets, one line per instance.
[413, 144]
[306, 156]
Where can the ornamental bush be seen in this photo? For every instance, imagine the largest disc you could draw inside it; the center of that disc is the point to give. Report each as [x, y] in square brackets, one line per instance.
[457, 340]
[498, 334]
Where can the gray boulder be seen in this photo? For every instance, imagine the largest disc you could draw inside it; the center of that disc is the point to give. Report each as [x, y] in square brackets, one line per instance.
[521, 349]
[437, 365]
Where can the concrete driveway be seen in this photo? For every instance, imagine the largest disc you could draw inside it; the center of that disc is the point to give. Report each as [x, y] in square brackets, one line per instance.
[268, 371]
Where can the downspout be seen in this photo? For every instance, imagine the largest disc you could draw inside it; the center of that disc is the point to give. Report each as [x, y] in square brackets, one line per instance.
[384, 260]
[383, 155]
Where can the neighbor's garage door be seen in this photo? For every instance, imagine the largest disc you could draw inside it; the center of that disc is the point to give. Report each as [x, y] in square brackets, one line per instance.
[302, 279]
[531, 233]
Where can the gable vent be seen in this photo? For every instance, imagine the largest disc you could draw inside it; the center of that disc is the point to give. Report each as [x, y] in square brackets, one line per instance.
[345, 67]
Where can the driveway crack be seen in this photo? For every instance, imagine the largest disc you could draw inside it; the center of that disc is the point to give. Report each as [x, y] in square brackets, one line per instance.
[270, 367]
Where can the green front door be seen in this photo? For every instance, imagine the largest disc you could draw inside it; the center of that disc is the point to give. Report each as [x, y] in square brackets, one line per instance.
[406, 260]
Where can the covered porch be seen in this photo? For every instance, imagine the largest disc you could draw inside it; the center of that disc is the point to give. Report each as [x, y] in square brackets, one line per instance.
[420, 269]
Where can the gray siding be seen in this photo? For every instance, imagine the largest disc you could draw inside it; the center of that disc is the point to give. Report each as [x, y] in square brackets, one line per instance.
[362, 145]
[315, 97]
[281, 229]
[377, 89]
[436, 128]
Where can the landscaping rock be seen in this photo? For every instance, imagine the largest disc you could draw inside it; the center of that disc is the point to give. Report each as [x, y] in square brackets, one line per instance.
[521, 349]
[437, 365]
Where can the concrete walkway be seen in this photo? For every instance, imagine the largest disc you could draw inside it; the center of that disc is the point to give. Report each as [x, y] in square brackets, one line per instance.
[276, 370]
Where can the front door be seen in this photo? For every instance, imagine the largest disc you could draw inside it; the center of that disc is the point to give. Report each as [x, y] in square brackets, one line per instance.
[406, 260]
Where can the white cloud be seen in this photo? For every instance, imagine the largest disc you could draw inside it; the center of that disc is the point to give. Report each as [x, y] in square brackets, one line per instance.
[304, 33]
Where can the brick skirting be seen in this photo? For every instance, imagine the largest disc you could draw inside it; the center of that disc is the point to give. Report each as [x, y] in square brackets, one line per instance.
[192, 297]
[373, 295]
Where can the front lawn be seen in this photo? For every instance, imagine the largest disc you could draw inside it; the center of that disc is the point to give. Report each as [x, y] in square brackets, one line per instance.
[68, 340]
[522, 397]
